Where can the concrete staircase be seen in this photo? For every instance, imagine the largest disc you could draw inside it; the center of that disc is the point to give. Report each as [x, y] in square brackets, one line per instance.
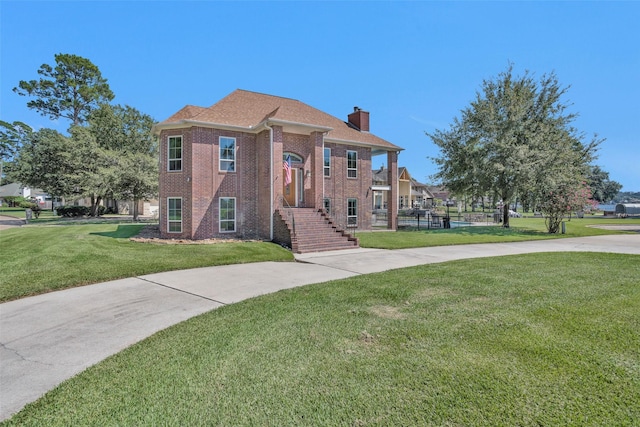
[312, 230]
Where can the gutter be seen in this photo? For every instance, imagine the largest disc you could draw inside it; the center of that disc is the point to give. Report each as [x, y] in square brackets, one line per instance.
[270, 180]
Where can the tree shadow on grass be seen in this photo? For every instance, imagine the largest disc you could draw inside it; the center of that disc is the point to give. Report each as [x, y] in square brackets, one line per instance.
[124, 231]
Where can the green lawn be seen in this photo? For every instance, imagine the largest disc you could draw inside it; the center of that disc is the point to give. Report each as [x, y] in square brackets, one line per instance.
[521, 229]
[37, 259]
[527, 340]
[52, 254]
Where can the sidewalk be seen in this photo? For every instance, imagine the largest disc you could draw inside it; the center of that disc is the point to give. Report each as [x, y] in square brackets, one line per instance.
[10, 222]
[49, 338]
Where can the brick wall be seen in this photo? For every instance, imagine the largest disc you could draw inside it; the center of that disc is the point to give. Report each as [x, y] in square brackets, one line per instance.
[175, 184]
[201, 186]
[338, 187]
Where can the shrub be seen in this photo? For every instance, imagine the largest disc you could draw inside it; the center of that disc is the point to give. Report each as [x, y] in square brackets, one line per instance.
[73, 211]
[31, 204]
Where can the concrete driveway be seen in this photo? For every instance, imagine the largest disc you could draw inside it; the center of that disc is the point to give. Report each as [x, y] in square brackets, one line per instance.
[49, 338]
[10, 222]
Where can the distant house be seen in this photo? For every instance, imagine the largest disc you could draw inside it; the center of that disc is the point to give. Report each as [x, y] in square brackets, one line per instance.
[439, 192]
[411, 193]
[259, 166]
[421, 197]
[16, 189]
[10, 190]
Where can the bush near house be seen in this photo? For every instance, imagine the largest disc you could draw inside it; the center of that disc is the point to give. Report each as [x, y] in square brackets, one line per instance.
[72, 211]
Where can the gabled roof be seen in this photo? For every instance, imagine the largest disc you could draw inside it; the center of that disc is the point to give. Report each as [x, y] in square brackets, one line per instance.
[251, 111]
[11, 190]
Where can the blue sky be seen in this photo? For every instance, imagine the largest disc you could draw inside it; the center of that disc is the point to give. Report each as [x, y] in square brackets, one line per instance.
[412, 65]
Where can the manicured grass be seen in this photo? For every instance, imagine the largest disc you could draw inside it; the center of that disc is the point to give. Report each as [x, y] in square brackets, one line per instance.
[521, 229]
[527, 340]
[45, 258]
[14, 212]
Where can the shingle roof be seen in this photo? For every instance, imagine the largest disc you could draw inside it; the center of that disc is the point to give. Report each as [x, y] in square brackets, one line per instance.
[248, 110]
[11, 190]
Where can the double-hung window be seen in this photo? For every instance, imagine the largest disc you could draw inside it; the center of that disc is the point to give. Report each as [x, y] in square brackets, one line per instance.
[352, 212]
[174, 151]
[327, 162]
[174, 217]
[227, 214]
[352, 164]
[327, 205]
[227, 154]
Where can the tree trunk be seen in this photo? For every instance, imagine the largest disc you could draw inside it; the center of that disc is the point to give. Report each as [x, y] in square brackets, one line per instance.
[95, 204]
[505, 215]
[135, 210]
[92, 212]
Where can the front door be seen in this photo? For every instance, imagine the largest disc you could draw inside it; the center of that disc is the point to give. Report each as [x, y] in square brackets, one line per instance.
[290, 190]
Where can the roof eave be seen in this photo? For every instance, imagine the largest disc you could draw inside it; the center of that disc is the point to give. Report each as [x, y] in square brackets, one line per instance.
[186, 123]
[377, 149]
[287, 123]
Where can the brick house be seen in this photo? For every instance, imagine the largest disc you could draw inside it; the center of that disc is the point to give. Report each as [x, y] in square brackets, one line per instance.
[223, 174]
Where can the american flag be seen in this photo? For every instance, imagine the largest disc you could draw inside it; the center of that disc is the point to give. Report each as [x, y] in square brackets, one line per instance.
[287, 170]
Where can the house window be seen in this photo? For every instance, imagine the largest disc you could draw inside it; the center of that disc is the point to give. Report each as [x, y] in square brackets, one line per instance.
[175, 153]
[327, 205]
[227, 154]
[352, 164]
[174, 218]
[293, 157]
[327, 162]
[227, 214]
[352, 212]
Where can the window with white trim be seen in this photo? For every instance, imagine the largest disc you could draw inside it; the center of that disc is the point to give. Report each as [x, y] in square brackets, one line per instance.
[327, 162]
[352, 164]
[227, 154]
[327, 205]
[174, 153]
[227, 214]
[174, 214]
[352, 212]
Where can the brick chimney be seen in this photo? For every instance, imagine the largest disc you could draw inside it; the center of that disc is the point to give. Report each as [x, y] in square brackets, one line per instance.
[359, 119]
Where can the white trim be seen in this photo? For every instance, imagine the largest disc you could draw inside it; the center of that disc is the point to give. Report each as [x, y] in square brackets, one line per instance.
[363, 144]
[380, 187]
[186, 123]
[352, 216]
[323, 165]
[235, 210]
[169, 159]
[169, 215]
[220, 159]
[352, 169]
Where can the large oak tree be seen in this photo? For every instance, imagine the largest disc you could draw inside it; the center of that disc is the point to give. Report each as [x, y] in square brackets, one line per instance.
[515, 138]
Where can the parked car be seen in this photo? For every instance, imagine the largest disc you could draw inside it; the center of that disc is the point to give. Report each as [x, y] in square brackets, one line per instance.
[514, 214]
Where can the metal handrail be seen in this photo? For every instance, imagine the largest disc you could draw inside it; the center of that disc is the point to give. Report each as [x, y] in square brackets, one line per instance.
[289, 213]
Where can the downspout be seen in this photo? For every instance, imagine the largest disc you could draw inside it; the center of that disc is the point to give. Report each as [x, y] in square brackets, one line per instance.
[323, 135]
[270, 180]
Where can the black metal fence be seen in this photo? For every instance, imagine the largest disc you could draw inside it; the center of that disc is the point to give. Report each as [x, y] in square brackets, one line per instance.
[426, 219]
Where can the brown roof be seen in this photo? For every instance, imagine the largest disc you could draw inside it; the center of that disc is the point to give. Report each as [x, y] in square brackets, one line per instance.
[247, 109]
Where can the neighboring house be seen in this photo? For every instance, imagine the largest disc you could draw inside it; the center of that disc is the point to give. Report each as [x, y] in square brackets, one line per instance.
[10, 190]
[249, 166]
[440, 193]
[421, 197]
[16, 189]
[411, 193]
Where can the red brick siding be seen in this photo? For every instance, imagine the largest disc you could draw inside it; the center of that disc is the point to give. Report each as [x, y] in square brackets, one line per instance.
[339, 188]
[175, 184]
[263, 177]
[201, 186]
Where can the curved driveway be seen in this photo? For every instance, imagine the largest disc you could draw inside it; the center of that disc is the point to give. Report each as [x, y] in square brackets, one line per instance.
[49, 338]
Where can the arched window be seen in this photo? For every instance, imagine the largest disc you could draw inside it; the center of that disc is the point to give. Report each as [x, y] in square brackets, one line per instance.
[294, 157]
